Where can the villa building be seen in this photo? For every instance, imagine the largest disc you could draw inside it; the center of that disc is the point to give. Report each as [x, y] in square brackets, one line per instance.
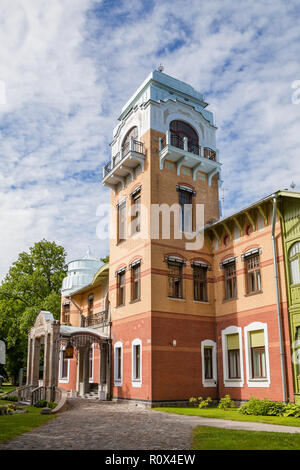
[171, 317]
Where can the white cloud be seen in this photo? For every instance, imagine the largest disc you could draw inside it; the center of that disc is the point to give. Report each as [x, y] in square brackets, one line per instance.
[70, 65]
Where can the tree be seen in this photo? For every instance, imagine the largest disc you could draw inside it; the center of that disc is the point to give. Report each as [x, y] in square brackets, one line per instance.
[32, 284]
[105, 260]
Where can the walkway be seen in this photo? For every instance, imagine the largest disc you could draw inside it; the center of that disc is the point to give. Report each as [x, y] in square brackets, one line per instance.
[95, 425]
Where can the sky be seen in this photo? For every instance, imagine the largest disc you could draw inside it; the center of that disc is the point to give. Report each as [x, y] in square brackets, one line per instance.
[68, 66]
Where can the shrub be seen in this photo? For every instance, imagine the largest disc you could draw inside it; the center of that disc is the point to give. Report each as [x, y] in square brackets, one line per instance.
[291, 409]
[204, 403]
[226, 403]
[41, 404]
[51, 404]
[10, 398]
[193, 401]
[265, 407]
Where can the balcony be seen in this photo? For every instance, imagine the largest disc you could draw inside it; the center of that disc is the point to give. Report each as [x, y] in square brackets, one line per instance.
[95, 319]
[123, 164]
[183, 152]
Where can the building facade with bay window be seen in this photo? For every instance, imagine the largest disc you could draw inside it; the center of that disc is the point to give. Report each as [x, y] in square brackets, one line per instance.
[176, 320]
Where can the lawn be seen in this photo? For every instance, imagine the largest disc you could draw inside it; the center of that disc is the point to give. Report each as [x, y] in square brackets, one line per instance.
[6, 388]
[232, 414]
[211, 438]
[13, 425]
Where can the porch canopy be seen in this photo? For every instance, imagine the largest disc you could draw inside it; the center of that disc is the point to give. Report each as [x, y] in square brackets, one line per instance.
[80, 337]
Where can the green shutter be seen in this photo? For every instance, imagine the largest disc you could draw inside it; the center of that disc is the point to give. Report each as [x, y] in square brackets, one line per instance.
[233, 341]
[257, 338]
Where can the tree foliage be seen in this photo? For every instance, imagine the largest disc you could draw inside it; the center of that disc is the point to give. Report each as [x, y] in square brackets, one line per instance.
[32, 284]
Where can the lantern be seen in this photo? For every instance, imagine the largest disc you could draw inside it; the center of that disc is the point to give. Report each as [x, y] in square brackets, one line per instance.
[69, 351]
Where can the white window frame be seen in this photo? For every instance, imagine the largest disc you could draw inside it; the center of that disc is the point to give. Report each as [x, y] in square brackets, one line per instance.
[209, 382]
[256, 382]
[227, 381]
[118, 382]
[91, 379]
[61, 379]
[136, 382]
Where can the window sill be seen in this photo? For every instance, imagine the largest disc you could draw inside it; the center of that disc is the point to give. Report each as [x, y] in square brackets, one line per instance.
[136, 383]
[134, 301]
[118, 383]
[176, 298]
[224, 301]
[254, 293]
[120, 306]
[201, 302]
[120, 242]
[263, 379]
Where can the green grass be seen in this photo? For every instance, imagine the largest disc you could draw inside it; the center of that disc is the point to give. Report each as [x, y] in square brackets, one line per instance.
[6, 388]
[234, 415]
[13, 425]
[210, 438]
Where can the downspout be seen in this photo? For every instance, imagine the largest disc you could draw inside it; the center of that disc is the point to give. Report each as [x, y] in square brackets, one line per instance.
[283, 374]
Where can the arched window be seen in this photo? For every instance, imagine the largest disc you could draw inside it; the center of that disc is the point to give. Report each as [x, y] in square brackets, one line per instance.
[179, 130]
[131, 134]
[294, 258]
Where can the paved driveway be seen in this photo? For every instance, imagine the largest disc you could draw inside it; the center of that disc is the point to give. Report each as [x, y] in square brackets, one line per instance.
[113, 426]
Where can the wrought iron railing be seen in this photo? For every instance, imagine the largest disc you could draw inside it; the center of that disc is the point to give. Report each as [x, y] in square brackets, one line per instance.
[95, 319]
[188, 145]
[130, 146]
[210, 154]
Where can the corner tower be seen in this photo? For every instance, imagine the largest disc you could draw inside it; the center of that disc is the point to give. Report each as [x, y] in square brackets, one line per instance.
[163, 153]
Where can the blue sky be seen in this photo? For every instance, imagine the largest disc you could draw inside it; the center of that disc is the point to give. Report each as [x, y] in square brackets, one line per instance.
[70, 65]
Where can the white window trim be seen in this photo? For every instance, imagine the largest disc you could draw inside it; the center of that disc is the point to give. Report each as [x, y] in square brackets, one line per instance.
[209, 382]
[118, 382]
[227, 381]
[64, 380]
[91, 379]
[136, 382]
[265, 382]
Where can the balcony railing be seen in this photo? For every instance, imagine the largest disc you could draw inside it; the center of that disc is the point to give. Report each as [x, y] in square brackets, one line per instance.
[130, 146]
[188, 145]
[95, 319]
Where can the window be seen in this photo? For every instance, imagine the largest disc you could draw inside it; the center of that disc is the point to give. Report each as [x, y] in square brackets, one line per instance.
[294, 258]
[234, 371]
[297, 349]
[179, 130]
[136, 282]
[91, 363]
[122, 221]
[90, 305]
[118, 363]
[209, 363]
[200, 283]
[185, 203]
[208, 366]
[136, 211]
[66, 313]
[131, 134]
[121, 288]
[63, 367]
[258, 354]
[136, 362]
[230, 281]
[253, 274]
[175, 287]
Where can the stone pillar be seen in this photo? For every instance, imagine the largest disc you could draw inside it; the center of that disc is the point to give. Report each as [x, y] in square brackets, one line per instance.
[35, 363]
[86, 370]
[46, 360]
[29, 361]
[103, 360]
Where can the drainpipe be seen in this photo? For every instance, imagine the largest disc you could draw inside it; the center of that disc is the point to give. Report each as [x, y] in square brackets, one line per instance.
[278, 300]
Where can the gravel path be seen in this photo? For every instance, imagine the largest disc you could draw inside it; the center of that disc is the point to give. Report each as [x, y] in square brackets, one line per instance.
[95, 425]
